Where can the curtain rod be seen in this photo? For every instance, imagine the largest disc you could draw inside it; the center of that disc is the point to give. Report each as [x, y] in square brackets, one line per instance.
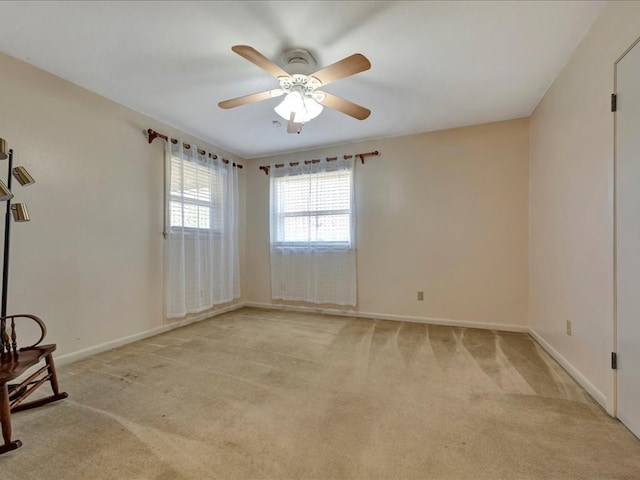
[152, 135]
[375, 153]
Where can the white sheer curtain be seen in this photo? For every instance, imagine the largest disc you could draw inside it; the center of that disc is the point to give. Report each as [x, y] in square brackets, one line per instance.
[201, 247]
[313, 248]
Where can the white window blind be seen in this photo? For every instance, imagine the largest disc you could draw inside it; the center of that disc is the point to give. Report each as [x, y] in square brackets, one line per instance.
[313, 208]
[196, 196]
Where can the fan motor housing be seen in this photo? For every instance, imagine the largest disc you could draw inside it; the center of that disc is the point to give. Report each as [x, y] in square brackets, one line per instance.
[299, 61]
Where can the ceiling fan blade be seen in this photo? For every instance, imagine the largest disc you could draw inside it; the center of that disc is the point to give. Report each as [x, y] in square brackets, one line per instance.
[345, 106]
[254, 97]
[293, 127]
[346, 67]
[260, 60]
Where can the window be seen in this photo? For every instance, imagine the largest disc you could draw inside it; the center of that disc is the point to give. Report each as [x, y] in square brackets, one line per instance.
[201, 247]
[196, 196]
[313, 244]
[313, 209]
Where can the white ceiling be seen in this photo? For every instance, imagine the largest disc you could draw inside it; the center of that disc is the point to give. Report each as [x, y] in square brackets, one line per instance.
[435, 65]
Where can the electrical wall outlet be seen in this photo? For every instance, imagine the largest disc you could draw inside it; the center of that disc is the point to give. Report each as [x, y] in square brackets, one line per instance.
[420, 295]
[568, 327]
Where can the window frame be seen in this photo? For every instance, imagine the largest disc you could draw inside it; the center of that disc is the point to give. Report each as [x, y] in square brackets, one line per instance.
[348, 243]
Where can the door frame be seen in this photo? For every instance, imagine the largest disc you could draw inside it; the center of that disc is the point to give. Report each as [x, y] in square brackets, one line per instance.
[612, 401]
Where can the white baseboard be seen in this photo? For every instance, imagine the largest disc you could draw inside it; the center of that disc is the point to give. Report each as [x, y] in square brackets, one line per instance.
[584, 382]
[398, 318]
[103, 347]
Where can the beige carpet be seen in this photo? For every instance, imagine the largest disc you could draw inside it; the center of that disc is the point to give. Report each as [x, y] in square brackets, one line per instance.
[268, 394]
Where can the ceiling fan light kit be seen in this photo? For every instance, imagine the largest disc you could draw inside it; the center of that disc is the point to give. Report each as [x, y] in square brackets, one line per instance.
[302, 102]
[302, 108]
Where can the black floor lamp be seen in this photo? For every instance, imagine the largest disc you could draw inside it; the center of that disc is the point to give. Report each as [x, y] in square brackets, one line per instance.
[17, 210]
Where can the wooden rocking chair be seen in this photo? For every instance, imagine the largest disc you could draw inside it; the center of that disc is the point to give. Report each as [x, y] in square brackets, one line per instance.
[16, 361]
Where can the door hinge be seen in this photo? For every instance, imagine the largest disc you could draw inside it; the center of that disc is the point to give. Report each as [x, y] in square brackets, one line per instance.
[614, 102]
[614, 361]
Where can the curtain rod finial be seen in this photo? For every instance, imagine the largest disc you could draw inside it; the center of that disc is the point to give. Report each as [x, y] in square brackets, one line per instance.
[152, 134]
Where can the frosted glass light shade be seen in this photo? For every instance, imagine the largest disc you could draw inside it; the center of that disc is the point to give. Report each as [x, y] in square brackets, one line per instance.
[313, 108]
[304, 108]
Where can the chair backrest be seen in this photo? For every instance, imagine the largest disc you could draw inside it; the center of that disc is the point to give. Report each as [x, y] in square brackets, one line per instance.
[9, 335]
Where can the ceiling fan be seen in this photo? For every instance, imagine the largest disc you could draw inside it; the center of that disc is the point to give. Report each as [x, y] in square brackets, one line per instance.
[303, 100]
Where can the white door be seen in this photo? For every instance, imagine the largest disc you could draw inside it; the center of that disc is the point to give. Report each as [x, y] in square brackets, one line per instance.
[628, 237]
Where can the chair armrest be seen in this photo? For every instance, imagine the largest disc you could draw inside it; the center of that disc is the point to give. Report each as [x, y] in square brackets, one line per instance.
[8, 341]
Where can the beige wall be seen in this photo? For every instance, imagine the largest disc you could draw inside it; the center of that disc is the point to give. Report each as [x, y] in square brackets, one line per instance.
[452, 213]
[91, 260]
[444, 212]
[571, 206]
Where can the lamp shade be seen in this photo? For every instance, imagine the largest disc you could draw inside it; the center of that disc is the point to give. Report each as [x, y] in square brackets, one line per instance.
[21, 174]
[5, 193]
[302, 106]
[3, 149]
[19, 212]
